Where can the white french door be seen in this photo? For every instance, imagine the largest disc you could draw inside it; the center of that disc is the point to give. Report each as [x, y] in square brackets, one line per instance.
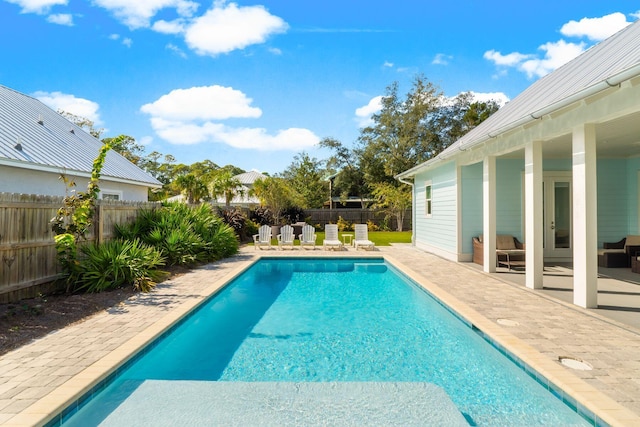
[558, 233]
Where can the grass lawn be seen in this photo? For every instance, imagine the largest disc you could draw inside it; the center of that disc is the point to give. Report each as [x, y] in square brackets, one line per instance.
[380, 238]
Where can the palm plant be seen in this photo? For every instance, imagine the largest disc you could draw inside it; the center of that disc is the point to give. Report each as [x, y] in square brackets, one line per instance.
[224, 184]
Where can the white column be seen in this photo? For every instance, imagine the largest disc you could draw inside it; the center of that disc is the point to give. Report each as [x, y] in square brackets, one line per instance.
[533, 214]
[585, 217]
[489, 213]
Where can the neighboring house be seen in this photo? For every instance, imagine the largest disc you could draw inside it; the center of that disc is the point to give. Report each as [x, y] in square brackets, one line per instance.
[558, 167]
[244, 200]
[37, 145]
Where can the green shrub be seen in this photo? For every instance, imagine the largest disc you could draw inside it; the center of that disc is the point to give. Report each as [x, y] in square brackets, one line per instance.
[343, 224]
[119, 263]
[183, 234]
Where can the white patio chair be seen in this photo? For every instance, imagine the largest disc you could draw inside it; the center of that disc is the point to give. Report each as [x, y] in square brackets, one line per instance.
[308, 236]
[286, 237]
[361, 240]
[331, 239]
[263, 238]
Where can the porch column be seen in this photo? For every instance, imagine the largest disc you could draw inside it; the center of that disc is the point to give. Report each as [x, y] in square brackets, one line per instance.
[489, 213]
[533, 214]
[585, 216]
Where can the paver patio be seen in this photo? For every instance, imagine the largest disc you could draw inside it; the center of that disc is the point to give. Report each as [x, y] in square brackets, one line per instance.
[50, 373]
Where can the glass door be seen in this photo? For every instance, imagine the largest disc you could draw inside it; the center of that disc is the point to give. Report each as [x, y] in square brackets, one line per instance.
[557, 217]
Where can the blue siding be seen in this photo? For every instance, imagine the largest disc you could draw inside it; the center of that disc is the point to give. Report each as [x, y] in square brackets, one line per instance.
[509, 197]
[471, 205]
[613, 209]
[633, 168]
[440, 229]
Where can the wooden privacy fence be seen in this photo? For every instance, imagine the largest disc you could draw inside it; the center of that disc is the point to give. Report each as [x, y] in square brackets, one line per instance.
[28, 259]
[358, 216]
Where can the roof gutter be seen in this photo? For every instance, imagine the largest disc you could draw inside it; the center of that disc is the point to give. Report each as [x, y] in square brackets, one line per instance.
[607, 83]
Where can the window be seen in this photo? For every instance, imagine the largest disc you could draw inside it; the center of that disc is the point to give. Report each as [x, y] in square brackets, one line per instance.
[111, 195]
[427, 198]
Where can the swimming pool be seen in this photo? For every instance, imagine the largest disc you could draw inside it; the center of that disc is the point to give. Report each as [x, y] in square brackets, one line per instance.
[343, 320]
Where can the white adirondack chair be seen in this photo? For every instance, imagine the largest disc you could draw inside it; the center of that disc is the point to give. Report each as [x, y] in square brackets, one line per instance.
[263, 238]
[361, 239]
[286, 237]
[308, 236]
[331, 239]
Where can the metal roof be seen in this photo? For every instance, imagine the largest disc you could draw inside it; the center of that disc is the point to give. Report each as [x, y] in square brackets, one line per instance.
[250, 177]
[48, 141]
[606, 64]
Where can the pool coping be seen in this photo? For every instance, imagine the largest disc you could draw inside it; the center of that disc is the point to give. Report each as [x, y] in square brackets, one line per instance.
[602, 406]
[48, 408]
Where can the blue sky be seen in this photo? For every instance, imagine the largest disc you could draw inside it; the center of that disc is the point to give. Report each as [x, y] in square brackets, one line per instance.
[252, 83]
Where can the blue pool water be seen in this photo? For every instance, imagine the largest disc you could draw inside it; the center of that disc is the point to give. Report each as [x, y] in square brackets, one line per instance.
[337, 320]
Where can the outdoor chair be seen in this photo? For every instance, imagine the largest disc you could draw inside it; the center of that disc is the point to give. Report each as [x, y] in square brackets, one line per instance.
[263, 238]
[308, 236]
[361, 239]
[286, 237]
[331, 239]
[619, 254]
[509, 251]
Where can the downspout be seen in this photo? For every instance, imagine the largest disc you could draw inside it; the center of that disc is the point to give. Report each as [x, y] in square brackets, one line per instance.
[413, 210]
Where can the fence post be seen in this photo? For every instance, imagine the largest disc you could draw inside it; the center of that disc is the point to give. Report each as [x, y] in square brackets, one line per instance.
[99, 225]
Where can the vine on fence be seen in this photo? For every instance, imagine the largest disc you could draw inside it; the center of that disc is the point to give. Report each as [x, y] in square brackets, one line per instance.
[74, 219]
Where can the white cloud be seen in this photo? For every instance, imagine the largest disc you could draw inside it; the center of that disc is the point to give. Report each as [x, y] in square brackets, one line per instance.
[127, 42]
[178, 132]
[37, 6]
[114, 36]
[70, 104]
[202, 103]
[499, 97]
[275, 51]
[363, 114]
[442, 59]
[185, 116]
[556, 55]
[61, 19]
[388, 64]
[169, 27]
[176, 50]
[146, 140]
[595, 29]
[227, 27]
[509, 60]
[138, 13]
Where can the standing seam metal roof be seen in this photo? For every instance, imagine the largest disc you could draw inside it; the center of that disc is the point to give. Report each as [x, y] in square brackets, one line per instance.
[618, 53]
[56, 142]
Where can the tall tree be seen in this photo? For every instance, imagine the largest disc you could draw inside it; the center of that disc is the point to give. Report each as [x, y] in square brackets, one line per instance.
[127, 146]
[392, 199]
[305, 175]
[276, 194]
[345, 164]
[192, 187]
[400, 137]
[224, 184]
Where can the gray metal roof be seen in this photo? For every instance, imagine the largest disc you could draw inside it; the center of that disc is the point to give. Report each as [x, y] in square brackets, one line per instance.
[606, 64]
[49, 141]
[250, 177]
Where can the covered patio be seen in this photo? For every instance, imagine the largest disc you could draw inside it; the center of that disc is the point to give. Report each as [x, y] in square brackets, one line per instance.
[618, 289]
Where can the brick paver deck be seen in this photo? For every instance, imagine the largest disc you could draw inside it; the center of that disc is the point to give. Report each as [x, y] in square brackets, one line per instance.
[39, 379]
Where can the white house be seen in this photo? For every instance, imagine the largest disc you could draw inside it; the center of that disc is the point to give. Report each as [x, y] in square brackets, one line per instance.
[245, 199]
[37, 145]
[558, 167]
